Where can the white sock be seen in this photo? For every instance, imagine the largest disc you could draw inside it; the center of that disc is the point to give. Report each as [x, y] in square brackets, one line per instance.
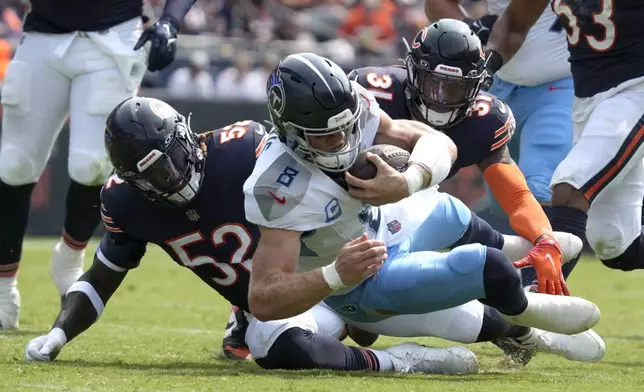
[7, 284]
[384, 359]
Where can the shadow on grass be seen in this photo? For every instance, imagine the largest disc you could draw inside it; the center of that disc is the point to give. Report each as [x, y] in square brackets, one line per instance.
[243, 369]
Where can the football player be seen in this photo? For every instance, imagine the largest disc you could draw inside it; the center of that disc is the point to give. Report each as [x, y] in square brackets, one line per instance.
[538, 87]
[165, 183]
[439, 85]
[76, 58]
[598, 187]
[297, 195]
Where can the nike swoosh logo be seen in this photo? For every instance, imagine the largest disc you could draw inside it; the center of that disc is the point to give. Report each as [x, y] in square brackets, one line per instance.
[280, 200]
[549, 258]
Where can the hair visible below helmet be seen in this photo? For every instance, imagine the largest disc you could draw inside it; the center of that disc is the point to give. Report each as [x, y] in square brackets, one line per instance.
[445, 68]
[309, 96]
[152, 147]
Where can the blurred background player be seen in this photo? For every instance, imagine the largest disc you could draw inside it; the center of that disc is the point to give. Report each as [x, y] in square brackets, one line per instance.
[77, 58]
[598, 187]
[538, 87]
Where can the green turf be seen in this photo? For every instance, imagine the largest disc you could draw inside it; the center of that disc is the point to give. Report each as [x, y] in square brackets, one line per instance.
[162, 331]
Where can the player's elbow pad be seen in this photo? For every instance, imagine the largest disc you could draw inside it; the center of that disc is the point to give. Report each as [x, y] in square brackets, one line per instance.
[436, 153]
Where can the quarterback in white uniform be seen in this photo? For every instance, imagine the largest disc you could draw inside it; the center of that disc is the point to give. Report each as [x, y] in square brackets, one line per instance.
[312, 245]
[537, 85]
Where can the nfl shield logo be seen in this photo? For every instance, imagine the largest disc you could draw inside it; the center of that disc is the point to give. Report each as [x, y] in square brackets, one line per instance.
[394, 226]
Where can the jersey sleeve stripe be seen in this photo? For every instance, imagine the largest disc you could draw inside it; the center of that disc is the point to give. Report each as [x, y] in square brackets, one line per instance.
[108, 222]
[260, 146]
[108, 264]
[503, 134]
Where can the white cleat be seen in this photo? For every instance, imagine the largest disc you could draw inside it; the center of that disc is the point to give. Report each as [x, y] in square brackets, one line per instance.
[557, 313]
[583, 347]
[414, 358]
[66, 266]
[9, 304]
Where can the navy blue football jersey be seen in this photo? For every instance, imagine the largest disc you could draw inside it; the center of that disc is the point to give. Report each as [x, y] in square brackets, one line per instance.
[210, 236]
[489, 126]
[604, 40]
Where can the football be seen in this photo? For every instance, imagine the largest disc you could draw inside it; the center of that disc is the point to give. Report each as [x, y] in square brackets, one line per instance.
[395, 157]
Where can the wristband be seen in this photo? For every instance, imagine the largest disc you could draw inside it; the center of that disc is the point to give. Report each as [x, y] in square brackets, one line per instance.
[58, 334]
[332, 278]
[493, 61]
[89, 290]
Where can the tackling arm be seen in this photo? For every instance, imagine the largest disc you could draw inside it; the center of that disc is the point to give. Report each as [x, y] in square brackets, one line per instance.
[509, 187]
[510, 30]
[85, 300]
[432, 153]
[276, 290]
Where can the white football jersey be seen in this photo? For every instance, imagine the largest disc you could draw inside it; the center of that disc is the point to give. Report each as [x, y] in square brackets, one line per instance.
[287, 192]
[543, 57]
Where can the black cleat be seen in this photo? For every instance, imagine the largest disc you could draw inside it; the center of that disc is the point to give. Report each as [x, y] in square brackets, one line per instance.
[234, 344]
[518, 355]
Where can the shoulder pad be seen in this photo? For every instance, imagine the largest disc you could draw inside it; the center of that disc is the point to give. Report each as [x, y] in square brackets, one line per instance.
[286, 193]
[276, 188]
[499, 117]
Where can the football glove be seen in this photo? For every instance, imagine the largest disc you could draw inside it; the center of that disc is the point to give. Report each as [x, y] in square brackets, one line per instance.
[163, 44]
[482, 26]
[546, 259]
[47, 347]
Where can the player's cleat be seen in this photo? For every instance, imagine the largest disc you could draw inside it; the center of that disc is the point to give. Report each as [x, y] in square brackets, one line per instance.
[414, 358]
[583, 347]
[66, 266]
[518, 354]
[9, 304]
[234, 344]
[557, 313]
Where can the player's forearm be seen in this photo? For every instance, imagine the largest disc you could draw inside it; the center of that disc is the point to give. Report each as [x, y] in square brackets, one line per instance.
[439, 9]
[176, 10]
[86, 299]
[431, 160]
[509, 187]
[281, 295]
[512, 27]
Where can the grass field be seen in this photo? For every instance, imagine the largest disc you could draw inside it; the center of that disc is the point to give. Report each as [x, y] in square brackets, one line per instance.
[162, 332]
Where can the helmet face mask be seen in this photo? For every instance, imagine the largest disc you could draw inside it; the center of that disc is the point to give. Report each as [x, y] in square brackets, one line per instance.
[312, 103]
[445, 68]
[169, 164]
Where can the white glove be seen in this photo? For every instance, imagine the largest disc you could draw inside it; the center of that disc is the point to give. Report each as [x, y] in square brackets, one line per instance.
[47, 347]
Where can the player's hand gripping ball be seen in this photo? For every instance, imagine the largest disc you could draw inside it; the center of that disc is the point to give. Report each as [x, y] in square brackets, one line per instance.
[394, 156]
[376, 176]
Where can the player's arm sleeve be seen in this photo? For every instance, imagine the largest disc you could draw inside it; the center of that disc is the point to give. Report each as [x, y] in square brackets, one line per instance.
[176, 10]
[512, 27]
[509, 186]
[85, 300]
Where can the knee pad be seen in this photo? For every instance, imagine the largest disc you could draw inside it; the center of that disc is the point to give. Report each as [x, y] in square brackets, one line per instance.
[606, 239]
[17, 167]
[88, 169]
[631, 259]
